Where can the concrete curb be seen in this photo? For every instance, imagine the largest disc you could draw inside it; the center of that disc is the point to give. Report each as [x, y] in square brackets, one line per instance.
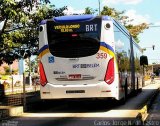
[140, 114]
[14, 111]
[143, 113]
[10, 111]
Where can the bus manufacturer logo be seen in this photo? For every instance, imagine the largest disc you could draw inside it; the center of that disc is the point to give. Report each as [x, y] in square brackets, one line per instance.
[58, 72]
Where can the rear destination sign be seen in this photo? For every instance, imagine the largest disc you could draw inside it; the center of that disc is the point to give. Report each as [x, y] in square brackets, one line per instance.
[73, 27]
[67, 28]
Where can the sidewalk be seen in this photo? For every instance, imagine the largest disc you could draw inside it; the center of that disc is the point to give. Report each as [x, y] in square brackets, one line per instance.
[15, 106]
[135, 107]
[18, 90]
[157, 80]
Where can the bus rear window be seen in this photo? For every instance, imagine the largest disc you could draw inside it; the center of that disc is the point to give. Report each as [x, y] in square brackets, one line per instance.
[73, 45]
[73, 40]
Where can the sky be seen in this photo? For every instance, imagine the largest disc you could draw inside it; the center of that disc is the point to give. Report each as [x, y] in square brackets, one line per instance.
[140, 10]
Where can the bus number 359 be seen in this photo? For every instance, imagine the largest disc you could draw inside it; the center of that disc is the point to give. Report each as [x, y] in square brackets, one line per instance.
[101, 55]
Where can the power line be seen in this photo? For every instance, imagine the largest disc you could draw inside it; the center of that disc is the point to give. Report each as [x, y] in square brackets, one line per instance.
[153, 59]
[154, 26]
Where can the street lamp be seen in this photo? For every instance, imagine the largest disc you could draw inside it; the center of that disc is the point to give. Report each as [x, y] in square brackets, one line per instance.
[99, 6]
[144, 49]
[153, 46]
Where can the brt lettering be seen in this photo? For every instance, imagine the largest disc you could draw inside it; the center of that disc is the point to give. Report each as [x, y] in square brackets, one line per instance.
[92, 27]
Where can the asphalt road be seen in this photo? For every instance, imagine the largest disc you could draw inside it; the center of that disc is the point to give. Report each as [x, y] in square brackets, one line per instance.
[83, 113]
[70, 122]
[74, 113]
[153, 118]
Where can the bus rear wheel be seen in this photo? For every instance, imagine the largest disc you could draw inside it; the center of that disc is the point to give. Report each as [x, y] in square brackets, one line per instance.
[124, 99]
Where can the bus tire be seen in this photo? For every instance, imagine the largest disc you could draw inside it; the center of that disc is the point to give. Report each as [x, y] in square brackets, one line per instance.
[136, 90]
[124, 99]
[125, 90]
[139, 89]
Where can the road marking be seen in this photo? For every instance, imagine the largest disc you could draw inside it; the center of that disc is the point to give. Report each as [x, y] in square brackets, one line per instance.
[144, 113]
[111, 113]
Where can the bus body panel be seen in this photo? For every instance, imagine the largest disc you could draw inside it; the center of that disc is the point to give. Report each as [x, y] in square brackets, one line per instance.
[64, 70]
[81, 77]
[43, 40]
[76, 91]
[77, 72]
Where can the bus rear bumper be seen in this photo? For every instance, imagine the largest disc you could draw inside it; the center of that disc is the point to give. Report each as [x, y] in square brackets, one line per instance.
[99, 90]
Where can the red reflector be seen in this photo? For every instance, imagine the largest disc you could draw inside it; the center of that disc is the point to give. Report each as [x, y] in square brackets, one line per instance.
[46, 92]
[106, 91]
[74, 35]
[43, 79]
[109, 77]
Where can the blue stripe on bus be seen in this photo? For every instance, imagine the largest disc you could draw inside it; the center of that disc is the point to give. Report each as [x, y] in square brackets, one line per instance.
[73, 18]
[43, 48]
[107, 46]
[101, 44]
[43, 22]
[106, 18]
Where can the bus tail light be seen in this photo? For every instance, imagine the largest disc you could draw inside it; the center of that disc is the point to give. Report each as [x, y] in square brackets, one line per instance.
[109, 77]
[43, 79]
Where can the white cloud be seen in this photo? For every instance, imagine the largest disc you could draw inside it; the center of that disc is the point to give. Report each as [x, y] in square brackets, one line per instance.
[71, 11]
[137, 18]
[119, 44]
[106, 2]
[157, 23]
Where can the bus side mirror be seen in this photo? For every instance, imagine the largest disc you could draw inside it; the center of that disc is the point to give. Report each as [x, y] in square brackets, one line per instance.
[143, 60]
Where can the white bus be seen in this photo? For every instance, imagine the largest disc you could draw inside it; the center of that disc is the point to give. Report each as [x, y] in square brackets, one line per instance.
[87, 56]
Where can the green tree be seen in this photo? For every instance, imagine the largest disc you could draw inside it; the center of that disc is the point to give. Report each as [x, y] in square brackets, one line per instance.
[89, 10]
[20, 29]
[134, 30]
[113, 13]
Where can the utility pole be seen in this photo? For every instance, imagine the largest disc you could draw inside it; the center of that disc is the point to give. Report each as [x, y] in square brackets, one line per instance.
[143, 81]
[99, 7]
[24, 93]
[30, 79]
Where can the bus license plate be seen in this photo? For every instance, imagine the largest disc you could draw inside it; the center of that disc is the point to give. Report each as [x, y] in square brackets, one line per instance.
[75, 76]
[75, 91]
